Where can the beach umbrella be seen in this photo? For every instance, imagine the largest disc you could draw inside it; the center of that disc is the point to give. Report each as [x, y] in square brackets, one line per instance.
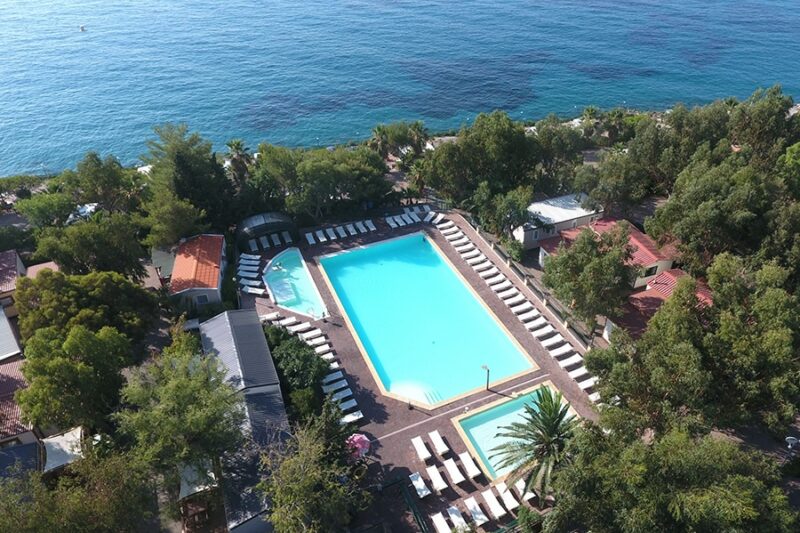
[358, 444]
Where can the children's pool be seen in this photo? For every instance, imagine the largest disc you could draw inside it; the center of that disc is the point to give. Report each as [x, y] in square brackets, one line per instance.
[426, 335]
[290, 285]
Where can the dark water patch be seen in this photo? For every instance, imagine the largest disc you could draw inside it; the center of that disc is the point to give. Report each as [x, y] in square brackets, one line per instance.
[613, 72]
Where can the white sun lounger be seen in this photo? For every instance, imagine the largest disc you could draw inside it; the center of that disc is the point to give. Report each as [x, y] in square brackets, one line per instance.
[440, 523]
[489, 273]
[341, 395]
[561, 350]
[288, 321]
[248, 261]
[320, 236]
[327, 357]
[264, 242]
[331, 234]
[595, 397]
[419, 485]
[579, 373]
[391, 222]
[426, 208]
[254, 291]
[397, 220]
[342, 233]
[450, 231]
[520, 486]
[361, 227]
[311, 334]
[325, 348]
[422, 451]
[333, 387]
[310, 238]
[475, 511]
[250, 282]
[437, 481]
[570, 361]
[528, 316]
[456, 235]
[276, 239]
[480, 263]
[249, 257]
[456, 518]
[502, 286]
[543, 332]
[555, 340]
[505, 295]
[334, 365]
[588, 384]
[351, 230]
[461, 248]
[370, 226]
[536, 324]
[469, 465]
[247, 274]
[461, 241]
[471, 254]
[346, 406]
[249, 268]
[415, 217]
[452, 470]
[494, 506]
[355, 416]
[286, 237]
[333, 376]
[521, 308]
[317, 341]
[299, 328]
[444, 225]
[438, 442]
[270, 316]
[507, 496]
[514, 300]
[407, 218]
[438, 218]
[429, 216]
[253, 245]
[495, 280]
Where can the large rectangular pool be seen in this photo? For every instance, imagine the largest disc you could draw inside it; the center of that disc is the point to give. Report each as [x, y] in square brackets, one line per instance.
[425, 333]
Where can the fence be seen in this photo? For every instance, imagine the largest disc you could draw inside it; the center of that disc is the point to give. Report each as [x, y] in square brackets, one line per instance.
[545, 298]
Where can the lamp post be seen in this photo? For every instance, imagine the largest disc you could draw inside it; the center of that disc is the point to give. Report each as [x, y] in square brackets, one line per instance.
[487, 375]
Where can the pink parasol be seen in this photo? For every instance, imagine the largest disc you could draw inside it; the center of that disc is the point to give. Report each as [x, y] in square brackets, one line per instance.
[359, 444]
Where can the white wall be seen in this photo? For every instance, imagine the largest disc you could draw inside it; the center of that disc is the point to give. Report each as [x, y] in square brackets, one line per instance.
[661, 266]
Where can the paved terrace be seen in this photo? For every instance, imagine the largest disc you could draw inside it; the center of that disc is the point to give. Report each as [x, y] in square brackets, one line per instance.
[391, 424]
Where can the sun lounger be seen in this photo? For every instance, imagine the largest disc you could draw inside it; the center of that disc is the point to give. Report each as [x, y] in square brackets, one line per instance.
[426, 208]
[588, 384]
[333, 376]
[247, 275]
[299, 328]
[553, 341]
[391, 222]
[452, 470]
[249, 268]
[521, 308]
[438, 218]
[251, 282]
[249, 257]
[440, 523]
[437, 481]
[505, 295]
[333, 387]
[502, 286]
[355, 416]
[406, 210]
[562, 350]
[461, 248]
[334, 365]
[494, 506]
[322, 339]
[370, 226]
[456, 518]
[579, 373]
[536, 324]
[444, 225]
[419, 485]
[246, 261]
[360, 227]
[595, 397]
[422, 451]
[471, 254]
[270, 316]
[469, 465]
[253, 245]
[286, 237]
[495, 280]
[346, 406]
[480, 263]
[351, 230]
[455, 236]
[489, 273]
[460, 242]
[528, 316]
[264, 242]
[429, 216]
[331, 234]
[342, 233]
[311, 334]
[327, 357]
[475, 511]
[255, 291]
[325, 348]
[514, 300]
[320, 236]
[507, 496]
[571, 360]
[341, 395]
[407, 218]
[543, 332]
[288, 321]
[523, 494]
[276, 239]
[438, 442]
[450, 231]
[310, 238]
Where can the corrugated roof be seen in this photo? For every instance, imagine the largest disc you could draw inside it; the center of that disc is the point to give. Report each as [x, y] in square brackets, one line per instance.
[561, 209]
[666, 281]
[8, 270]
[19, 459]
[11, 380]
[645, 249]
[9, 346]
[197, 264]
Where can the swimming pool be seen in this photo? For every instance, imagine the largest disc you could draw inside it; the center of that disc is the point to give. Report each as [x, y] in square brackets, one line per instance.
[290, 285]
[424, 333]
[480, 429]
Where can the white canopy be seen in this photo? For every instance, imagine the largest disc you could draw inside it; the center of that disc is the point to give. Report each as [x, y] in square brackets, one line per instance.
[62, 449]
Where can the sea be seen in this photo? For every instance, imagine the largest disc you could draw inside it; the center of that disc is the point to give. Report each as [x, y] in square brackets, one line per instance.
[316, 73]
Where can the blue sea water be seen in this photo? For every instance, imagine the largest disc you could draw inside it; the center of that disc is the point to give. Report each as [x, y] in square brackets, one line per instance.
[426, 335]
[322, 72]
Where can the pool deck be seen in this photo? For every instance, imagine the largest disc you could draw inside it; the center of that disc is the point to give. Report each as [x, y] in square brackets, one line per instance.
[390, 423]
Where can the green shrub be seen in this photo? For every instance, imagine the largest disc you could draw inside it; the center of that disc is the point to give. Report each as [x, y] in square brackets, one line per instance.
[529, 521]
[305, 403]
[276, 336]
[513, 248]
[299, 366]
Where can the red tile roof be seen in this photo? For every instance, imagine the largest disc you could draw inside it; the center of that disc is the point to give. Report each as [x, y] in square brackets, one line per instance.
[8, 270]
[33, 270]
[645, 249]
[666, 281]
[567, 236]
[11, 380]
[197, 264]
[638, 310]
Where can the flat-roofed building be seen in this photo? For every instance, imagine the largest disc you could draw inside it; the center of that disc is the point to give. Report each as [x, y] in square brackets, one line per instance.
[548, 217]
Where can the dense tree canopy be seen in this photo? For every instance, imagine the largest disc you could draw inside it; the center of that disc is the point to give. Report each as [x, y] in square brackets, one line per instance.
[170, 218]
[103, 181]
[46, 209]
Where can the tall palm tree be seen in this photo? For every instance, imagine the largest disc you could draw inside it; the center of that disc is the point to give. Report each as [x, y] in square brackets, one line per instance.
[239, 159]
[537, 443]
[417, 136]
[379, 140]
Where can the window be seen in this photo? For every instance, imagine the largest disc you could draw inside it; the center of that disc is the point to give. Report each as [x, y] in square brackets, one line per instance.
[201, 299]
[650, 271]
[536, 234]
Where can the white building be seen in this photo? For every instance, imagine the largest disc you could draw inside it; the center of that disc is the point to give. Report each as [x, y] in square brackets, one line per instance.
[550, 216]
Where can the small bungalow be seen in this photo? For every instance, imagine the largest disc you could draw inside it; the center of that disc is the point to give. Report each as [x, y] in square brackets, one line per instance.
[549, 217]
[198, 269]
[13, 430]
[11, 268]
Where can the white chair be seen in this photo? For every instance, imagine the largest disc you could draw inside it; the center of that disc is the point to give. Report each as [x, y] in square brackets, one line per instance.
[360, 227]
[310, 238]
[509, 500]
[469, 465]
[320, 236]
[438, 482]
[452, 470]
[419, 485]
[523, 494]
[342, 233]
[438, 442]
[333, 387]
[331, 234]
[370, 225]
[475, 511]
[351, 230]
[421, 449]
[333, 376]
[494, 506]
[286, 237]
[355, 416]
[439, 523]
[456, 518]
[276, 239]
[308, 335]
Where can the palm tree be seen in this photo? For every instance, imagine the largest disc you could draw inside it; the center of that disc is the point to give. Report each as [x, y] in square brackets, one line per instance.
[239, 160]
[379, 140]
[417, 136]
[537, 443]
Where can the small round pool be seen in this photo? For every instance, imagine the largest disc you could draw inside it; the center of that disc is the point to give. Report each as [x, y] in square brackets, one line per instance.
[290, 285]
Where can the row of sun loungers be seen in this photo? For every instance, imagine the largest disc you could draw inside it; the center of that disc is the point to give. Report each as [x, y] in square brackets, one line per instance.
[547, 335]
[405, 219]
[265, 242]
[510, 502]
[340, 232]
[335, 383]
[249, 274]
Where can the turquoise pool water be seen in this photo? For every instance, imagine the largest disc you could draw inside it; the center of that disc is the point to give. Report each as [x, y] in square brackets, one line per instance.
[482, 428]
[291, 286]
[425, 333]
